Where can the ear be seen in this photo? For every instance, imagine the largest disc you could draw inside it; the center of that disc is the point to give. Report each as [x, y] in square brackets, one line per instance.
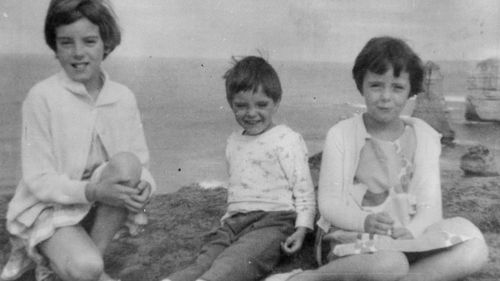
[107, 51]
[277, 104]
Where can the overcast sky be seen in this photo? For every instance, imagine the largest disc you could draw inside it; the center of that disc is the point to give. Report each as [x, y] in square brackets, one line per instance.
[319, 30]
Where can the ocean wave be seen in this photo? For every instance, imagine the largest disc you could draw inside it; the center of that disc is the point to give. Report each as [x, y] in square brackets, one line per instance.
[454, 98]
[210, 184]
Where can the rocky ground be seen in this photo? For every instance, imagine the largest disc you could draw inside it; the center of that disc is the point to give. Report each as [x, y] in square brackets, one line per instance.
[178, 220]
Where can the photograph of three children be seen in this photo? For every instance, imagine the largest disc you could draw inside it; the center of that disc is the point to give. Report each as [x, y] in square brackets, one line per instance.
[235, 140]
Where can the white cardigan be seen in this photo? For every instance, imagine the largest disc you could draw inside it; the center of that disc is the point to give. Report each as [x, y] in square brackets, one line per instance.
[337, 196]
[59, 117]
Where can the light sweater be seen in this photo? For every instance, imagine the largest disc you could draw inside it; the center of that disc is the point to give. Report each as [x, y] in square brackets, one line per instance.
[270, 172]
[59, 118]
[338, 196]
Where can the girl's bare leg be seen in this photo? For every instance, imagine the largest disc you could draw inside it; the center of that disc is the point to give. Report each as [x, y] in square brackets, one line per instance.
[451, 264]
[455, 262]
[76, 255]
[110, 219]
[383, 265]
[73, 255]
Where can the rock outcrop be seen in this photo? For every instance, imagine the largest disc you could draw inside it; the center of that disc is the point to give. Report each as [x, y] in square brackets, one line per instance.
[479, 161]
[431, 105]
[314, 166]
[178, 221]
[172, 238]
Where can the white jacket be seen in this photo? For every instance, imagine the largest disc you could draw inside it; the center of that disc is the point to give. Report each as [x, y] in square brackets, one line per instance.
[58, 120]
[337, 195]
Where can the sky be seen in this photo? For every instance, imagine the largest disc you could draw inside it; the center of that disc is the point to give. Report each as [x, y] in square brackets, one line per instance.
[300, 30]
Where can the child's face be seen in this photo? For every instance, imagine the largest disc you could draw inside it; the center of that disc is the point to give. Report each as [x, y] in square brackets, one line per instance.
[80, 50]
[254, 111]
[385, 95]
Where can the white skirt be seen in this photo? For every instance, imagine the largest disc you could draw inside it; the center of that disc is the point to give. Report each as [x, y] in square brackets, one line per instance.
[25, 238]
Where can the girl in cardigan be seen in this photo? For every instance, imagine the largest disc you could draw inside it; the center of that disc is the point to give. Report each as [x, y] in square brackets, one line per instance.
[379, 186]
[84, 154]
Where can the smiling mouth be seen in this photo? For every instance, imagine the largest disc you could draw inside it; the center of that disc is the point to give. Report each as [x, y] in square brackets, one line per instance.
[79, 66]
[252, 122]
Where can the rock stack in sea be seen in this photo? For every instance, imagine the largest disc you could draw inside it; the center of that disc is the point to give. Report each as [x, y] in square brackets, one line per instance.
[430, 104]
[483, 101]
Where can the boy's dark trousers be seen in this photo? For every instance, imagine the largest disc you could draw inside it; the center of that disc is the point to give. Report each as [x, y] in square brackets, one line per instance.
[245, 248]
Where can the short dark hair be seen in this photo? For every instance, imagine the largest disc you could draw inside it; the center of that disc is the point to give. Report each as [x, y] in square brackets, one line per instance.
[99, 12]
[380, 53]
[252, 73]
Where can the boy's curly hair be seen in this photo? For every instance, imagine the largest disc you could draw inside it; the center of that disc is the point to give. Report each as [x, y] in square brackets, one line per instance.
[252, 73]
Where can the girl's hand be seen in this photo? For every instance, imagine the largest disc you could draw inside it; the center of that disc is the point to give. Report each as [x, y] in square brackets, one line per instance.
[402, 233]
[143, 197]
[294, 242]
[113, 194]
[379, 223]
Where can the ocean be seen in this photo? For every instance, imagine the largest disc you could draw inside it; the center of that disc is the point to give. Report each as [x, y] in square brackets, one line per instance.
[185, 113]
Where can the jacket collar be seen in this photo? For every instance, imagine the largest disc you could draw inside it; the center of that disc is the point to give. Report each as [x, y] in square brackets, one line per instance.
[106, 96]
[407, 120]
[361, 130]
[422, 129]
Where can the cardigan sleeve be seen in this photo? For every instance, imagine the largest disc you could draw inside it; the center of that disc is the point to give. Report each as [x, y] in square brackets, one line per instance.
[139, 147]
[336, 201]
[296, 168]
[38, 159]
[426, 184]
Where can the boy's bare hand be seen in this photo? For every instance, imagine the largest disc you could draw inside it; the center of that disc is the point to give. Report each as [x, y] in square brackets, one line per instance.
[294, 242]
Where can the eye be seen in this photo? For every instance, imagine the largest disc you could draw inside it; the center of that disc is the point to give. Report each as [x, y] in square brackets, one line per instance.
[398, 88]
[91, 40]
[262, 104]
[376, 86]
[239, 105]
[65, 42]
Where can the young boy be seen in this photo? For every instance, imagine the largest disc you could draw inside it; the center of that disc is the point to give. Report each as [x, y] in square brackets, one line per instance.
[271, 200]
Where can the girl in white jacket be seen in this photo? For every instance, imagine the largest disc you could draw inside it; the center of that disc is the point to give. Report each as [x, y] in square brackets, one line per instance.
[379, 186]
[84, 155]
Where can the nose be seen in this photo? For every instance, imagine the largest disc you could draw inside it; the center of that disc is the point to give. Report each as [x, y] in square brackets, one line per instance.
[251, 111]
[386, 94]
[78, 50]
